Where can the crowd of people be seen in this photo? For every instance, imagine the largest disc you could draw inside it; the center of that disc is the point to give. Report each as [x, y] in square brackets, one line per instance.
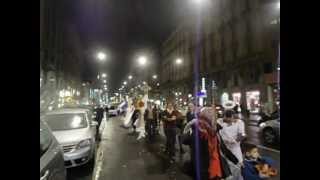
[214, 143]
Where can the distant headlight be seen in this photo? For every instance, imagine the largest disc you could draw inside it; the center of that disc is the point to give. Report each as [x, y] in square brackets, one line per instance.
[263, 125]
[220, 112]
[84, 143]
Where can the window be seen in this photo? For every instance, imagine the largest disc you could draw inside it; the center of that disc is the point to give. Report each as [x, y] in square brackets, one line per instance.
[45, 139]
[58, 122]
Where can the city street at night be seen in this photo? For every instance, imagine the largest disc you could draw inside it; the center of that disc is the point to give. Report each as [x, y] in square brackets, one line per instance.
[159, 90]
[121, 156]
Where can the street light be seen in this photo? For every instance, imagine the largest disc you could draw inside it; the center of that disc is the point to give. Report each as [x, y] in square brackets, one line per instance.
[278, 5]
[101, 56]
[142, 60]
[144, 83]
[104, 81]
[179, 61]
[104, 75]
[154, 76]
[130, 77]
[125, 82]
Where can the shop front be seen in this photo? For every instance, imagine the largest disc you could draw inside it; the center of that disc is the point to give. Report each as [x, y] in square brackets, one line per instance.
[224, 97]
[253, 101]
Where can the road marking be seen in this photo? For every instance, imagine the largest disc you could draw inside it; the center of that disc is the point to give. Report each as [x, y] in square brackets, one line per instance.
[99, 159]
[269, 149]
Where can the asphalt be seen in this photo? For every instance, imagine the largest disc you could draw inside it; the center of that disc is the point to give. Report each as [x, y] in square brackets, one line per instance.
[121, 156]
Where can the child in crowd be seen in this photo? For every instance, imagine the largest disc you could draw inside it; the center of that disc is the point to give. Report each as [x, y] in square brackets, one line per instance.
[257, 167]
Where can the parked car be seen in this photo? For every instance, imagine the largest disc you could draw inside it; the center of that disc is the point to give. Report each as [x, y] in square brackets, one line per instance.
[51, 156]
[113, 110]
[270, 131]
[75, 130]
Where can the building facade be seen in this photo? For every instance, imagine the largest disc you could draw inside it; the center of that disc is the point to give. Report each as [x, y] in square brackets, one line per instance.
[60, 53]
[235, 44]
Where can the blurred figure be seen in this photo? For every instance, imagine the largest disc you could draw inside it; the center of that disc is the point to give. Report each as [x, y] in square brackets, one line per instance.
[169, 120]
[180, 126]
[209, 154]
[257, 167]
[150, 117]
[233, 133]
[134, 117]
[191, 112]
[99, 117]
[107, 111]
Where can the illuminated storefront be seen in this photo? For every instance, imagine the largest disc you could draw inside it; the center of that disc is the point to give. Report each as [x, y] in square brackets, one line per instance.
[253, 101]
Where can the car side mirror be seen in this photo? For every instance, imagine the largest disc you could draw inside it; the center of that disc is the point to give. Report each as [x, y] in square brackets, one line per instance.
[94, 123]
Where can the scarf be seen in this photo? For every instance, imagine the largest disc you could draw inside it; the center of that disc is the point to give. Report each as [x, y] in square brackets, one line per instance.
[207, 132]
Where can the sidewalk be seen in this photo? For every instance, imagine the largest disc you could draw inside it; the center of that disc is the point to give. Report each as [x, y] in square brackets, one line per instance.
[121, 156]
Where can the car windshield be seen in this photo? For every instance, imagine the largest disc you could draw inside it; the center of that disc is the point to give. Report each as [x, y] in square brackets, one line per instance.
[58, 122]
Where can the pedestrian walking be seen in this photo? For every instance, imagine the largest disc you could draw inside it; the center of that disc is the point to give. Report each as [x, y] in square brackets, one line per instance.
[169, 120]
[191, 112]
[150, 119]
[180, 125]
[134, 117]
[99, 118]
[107, 111]
[233, 133]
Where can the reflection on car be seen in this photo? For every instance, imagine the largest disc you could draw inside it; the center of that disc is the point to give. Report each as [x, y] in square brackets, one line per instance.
[75, 131]
[51, 156]
[270, 131]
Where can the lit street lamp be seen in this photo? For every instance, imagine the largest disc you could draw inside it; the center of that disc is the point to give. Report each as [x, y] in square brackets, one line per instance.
[130, 77]
[154, 76]
[125, 82]
[179, 61]
[104, 75]
[101, 56]
[104, 81]
[142, 60]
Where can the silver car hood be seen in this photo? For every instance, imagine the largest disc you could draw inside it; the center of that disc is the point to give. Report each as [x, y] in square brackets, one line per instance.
[72, 136]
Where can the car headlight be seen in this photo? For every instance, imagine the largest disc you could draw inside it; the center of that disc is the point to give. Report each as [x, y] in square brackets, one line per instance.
[84, 143]
[263, 125]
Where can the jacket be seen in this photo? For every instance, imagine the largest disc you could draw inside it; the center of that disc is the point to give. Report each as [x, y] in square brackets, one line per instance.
[250, 172]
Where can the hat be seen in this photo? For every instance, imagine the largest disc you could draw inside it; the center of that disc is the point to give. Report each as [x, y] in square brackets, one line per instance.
[228, 105]
[208, 113]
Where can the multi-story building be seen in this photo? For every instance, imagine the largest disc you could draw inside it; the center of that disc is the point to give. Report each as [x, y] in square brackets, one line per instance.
[60, 52]
[236, 44]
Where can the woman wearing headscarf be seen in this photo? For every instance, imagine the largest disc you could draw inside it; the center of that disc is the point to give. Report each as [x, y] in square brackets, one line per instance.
[207, 148]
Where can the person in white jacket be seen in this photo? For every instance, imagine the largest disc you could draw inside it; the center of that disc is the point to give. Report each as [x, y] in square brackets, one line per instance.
[233, 133]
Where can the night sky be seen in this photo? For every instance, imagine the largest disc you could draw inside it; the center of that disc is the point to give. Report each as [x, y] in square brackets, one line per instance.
[121, 27]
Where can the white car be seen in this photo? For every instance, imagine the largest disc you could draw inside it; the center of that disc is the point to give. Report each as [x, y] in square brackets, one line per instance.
[75, 131]
[270, 131]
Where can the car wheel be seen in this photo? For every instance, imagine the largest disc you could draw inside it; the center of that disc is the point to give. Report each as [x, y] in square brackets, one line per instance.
[269, 136]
